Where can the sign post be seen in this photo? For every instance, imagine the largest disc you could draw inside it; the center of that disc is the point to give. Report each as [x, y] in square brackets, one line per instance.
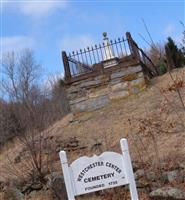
[67, 175]
[128, 168]
[90, 174]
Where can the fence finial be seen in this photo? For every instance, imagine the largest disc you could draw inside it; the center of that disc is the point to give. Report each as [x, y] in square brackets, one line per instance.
[105, 35]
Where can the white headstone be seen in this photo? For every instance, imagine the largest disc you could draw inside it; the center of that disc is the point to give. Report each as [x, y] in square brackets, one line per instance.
[90, 174]
[108, 53]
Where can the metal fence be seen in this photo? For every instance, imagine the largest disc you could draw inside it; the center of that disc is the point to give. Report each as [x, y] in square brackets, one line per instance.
[83, 61]
[146, 61]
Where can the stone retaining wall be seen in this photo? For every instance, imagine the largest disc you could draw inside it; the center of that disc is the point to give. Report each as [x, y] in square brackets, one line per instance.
[95, 92]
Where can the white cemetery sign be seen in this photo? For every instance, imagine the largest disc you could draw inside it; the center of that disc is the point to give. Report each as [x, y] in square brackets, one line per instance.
[90, 174]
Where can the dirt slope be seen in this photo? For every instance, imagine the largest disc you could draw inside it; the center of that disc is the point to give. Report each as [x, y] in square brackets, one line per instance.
[101, 130]
[110, 124]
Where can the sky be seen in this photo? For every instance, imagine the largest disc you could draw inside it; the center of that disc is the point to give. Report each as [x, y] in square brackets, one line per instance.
[48, 27]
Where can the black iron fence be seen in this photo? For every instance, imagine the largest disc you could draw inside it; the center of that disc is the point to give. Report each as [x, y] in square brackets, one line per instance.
[78, 67]
[84, 60]
[148, 65]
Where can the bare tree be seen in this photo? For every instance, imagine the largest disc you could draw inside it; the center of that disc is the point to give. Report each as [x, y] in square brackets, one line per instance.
[21, 75]
[33, 108]
[183, 38]
[59, 96]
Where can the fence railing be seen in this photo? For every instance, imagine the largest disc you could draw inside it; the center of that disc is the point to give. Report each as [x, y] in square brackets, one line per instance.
[78, 67]
[85, 60]
[149, 66]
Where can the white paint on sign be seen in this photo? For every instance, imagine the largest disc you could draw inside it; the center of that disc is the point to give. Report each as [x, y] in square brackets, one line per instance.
[98, 172]
[90, 174]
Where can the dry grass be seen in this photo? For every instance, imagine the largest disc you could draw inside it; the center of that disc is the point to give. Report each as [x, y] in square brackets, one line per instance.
[124, 118]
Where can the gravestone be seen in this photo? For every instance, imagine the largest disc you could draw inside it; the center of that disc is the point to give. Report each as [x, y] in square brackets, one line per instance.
[109, 58]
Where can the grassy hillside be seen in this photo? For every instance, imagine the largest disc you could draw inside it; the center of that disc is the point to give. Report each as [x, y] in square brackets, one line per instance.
[152, 121]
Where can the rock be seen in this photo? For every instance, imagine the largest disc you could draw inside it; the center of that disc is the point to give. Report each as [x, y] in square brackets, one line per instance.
[182, 165]
[130, 77]
[134, 69]
[72, 89]
[72, 95]
[40, 195]
[80, 92]
[99, 92]
[115, 81]
[17, 159]
[134, 90]
[126, 72]
[36, 186]
[140, 74]
[78, 100]
[58, 149]
[2, 185]
[26, 188]
[171, 176]
[31, 186]
[151, 176]
[119, 86]
[118, 74]
[69, 118]
[96, 146]
[56, 183]
[24, 154]
[77, 83]
[135, 165]
[12, 193]
[167, 193]
[118, 95]
[154, 186]
[33, 194]
[1, 195]
[139, 81]
[66, 120]
[142, 184]
[139, 174]
[102, 78]
[90, 104]
[90, 83]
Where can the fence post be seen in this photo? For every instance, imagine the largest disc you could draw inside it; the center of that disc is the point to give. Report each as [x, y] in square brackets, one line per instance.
[132, 45]
[66, 65]
[128, 169]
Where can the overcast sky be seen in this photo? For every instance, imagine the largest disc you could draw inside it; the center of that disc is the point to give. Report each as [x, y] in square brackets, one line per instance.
[51, 26]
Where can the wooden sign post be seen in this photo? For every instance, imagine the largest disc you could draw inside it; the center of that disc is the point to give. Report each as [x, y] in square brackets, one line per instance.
[90, 174]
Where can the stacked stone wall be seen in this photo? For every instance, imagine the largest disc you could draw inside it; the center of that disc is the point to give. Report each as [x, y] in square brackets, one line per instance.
[95, 92]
